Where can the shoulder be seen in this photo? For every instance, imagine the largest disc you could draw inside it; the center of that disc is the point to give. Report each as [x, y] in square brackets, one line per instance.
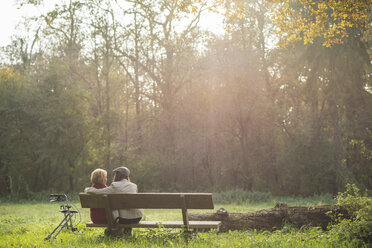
[124, 186]
[116, 184]
[133, 184]
[123, 183]
[129, 186]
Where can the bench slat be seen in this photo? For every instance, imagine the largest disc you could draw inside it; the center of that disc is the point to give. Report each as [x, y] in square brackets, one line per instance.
[165, 224]
[149, 201]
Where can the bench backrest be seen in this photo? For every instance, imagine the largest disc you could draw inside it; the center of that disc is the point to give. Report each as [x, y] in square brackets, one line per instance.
[149, 200]
[181, 201]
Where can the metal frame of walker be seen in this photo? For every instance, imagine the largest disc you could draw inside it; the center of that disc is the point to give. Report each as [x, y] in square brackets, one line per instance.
[66, 222]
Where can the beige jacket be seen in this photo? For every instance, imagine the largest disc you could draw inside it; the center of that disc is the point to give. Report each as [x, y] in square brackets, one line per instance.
[122, 186]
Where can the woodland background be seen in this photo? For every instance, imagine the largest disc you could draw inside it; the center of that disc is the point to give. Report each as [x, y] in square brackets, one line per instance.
[281, 102]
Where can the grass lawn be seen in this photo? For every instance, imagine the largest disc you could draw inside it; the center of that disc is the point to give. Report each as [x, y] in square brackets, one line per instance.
[27, 224]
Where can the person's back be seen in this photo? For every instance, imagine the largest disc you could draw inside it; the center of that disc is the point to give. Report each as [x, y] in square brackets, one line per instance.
[99, 180]
[125, 186]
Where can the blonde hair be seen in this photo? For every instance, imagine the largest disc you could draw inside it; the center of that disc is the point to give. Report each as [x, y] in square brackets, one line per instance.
[98, 176]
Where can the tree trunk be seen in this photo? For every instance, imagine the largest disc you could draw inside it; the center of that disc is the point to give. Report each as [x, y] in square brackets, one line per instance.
[272, 218]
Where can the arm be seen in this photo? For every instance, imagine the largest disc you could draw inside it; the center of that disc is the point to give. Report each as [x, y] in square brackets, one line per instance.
[107, 190]
[115, 187]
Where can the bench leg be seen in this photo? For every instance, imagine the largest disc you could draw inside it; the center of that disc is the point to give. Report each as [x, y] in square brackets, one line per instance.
[118, 232]
[187, 234]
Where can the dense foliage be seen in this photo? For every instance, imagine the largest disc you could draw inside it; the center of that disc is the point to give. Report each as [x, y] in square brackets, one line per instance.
[359, 226]
[99, 83]
[328, 20]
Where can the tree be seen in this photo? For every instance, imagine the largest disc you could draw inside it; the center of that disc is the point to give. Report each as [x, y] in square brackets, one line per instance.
[12, 91]
[159, 66]
[328, 20]
[333, 71]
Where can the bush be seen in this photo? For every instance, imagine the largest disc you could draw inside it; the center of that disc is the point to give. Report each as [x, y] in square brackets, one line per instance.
[359, 208]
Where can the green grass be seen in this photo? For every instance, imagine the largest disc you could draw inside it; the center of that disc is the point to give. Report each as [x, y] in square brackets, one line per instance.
[26, 224]
[241, 196]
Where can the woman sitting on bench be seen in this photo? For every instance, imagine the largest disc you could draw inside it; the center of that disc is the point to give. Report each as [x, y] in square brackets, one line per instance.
[121, 184]
[99, 180]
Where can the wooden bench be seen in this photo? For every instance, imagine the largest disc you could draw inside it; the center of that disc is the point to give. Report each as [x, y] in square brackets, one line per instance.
[183, 201]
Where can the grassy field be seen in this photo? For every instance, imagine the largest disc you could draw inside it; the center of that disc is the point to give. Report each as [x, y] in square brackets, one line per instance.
[26, 224]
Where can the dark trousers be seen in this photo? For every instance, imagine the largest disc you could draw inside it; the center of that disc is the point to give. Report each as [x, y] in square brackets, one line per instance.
[129, 221]
[128, 231]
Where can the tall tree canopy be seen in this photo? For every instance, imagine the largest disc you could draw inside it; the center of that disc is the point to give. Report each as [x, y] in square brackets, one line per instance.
[329, 20]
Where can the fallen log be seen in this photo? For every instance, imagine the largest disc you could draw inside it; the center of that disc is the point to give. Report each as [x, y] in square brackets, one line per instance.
[273, 218]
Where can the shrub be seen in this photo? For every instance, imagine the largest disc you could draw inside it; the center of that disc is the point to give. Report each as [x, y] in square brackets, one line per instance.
[359, 208]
